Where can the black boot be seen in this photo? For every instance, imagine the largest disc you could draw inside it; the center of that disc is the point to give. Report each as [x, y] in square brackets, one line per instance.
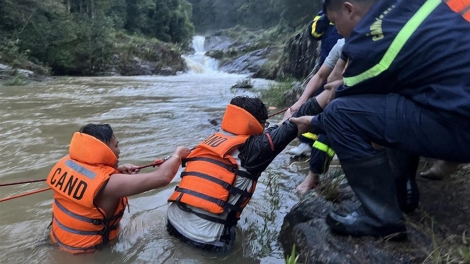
[405, 166]
[373, 182]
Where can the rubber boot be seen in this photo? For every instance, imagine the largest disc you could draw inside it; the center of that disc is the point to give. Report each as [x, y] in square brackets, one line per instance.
[405, 167]
[379, 215]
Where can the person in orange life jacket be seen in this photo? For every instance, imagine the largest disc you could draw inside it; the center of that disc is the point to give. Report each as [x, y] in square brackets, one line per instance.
[399, 80]
[90, 189]
[221, 174]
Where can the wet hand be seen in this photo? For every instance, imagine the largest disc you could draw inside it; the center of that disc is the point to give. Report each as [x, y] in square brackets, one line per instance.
[304, 123]
[182, 152]
[128, 169]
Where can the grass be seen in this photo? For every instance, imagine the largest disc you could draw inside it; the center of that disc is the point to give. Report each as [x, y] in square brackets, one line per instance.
[451, 250]
[329, 189]
[275, 94]
[293, 257]
[17, 80]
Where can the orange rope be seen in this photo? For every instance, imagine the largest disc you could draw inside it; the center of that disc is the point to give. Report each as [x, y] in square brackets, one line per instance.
[24, 194]
[278, 112]
[21, 182]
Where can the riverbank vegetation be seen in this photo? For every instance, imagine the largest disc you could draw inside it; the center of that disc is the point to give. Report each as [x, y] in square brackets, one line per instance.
[78, 37]
[83, 37]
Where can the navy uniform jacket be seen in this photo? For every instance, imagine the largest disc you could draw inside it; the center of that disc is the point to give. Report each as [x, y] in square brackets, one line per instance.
[321, 29]
[418, 49]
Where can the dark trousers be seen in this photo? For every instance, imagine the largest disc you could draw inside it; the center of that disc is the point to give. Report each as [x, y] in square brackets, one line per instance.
[321, 155]
[353, 122]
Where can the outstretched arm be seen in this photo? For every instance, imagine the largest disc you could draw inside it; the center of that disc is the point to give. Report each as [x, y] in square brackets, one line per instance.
[260, 150]
[120, 185]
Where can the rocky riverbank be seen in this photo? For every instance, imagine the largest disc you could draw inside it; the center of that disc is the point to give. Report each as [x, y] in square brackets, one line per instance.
[438, 232]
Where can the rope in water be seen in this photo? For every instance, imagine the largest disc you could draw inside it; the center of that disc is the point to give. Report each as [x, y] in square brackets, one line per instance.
[158, 162]
[24, 194]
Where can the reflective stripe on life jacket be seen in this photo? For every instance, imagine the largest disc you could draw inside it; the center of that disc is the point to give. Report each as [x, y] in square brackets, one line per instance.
[78, 225]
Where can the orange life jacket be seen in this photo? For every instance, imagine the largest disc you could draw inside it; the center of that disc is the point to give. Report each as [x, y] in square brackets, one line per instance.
[210, 174]
[460, 6]
[78, 225]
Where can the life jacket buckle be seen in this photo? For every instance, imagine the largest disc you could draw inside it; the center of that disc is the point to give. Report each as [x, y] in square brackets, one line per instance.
[232, 169]
[104, 231]
[97, 222]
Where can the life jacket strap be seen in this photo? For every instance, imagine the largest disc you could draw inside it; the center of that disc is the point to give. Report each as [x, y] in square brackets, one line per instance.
[224, 222]
[232, 189]
[76, 231]
[228, 167]
[79, 249]
[219, 202]
[79, 217]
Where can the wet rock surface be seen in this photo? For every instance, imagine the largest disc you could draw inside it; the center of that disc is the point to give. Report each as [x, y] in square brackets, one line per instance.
[248, 63]
[438, 232]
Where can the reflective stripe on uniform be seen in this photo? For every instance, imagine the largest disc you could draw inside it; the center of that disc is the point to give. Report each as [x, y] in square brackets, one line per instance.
[396, 46]
[323, 147]
[310, 135]
[314, 27]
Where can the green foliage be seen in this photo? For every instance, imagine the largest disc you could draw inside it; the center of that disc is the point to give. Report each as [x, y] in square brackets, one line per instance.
[75, 37]
[275, 94]
[464, 252]
[17, 80]
[219, 14]
[167, 20]
[292, 259]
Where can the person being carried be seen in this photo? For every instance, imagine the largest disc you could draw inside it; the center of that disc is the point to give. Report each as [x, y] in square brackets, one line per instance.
[221, 174]
[399, 80]
[90, 189]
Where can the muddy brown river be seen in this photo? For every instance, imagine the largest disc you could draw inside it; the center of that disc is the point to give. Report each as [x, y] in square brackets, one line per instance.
[150, 116]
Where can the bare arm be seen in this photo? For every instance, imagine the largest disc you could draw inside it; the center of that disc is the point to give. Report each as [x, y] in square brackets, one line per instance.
[313, 85]
[337, 73]
[120, 185]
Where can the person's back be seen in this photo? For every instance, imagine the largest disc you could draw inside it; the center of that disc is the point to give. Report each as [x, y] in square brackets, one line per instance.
[435, 42]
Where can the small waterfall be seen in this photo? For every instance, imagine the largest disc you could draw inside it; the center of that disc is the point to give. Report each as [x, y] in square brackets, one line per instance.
[198, 62]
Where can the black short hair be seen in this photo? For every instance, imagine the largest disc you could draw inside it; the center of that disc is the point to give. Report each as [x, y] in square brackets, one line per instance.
[252, 105]
[335, 4]
[102, 132]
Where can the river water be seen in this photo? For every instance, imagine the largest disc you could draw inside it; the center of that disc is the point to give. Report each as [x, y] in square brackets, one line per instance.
[150, 116]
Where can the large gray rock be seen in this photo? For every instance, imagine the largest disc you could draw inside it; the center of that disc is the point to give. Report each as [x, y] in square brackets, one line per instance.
[437, 232]
[248, 63]
[300, 56]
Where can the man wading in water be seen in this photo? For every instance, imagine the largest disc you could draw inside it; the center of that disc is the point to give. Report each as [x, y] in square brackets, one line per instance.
[221, 174]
